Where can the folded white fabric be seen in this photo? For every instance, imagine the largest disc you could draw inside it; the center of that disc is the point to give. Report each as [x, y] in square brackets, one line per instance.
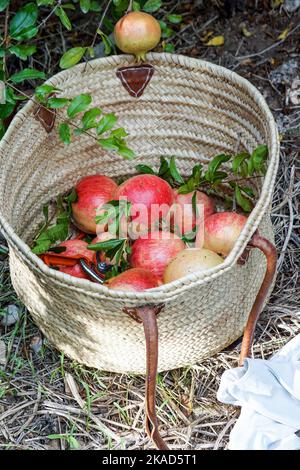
[269, 394]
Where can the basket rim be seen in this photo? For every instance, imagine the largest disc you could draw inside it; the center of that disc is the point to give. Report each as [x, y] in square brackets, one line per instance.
[177, 287]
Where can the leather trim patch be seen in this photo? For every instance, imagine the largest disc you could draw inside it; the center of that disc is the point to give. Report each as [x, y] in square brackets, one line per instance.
[135, 78]
[46, 117]
[134, 312]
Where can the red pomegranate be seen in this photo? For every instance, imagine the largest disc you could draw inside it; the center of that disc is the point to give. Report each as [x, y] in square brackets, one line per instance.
[184, 215]
[73, 249]
[156, 251]
[134, 279]
[151, 198]
[93, 192]
[221, 230]
[137, 33]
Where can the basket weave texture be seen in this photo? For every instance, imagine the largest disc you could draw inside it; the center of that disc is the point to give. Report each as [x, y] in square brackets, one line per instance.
[191, 109]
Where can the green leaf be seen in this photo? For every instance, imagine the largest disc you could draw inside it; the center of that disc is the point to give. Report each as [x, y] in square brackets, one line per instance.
[218, 177]
[106, 123]
[60, 12]
[58, 102]
[65, 133]
[175, 19]
[170, 48]
[214, 165]
[89, 118]
[174, 172]
[27, 74]
[3, 4]
[242, 201]
[73, 443]
[250, 167]
[85, 5]
[107, 245]
[136, 6]
[106, 42]
[163, 25]
[119, 133]
[79, 104]
[6, 110]
[197, 173]
[91, 52]
[152, 6]
[145, 170]
[167, 32]
[45, 2]
[120, 5]
[164, 167]
[238, 160]
[23, 21]
[109, 143]
[41, 247]
[194, 204]
[57, 249]
[23, 52]
[27, 33]
[95, 6]
[248, 191]
[42, 91]
[72, 57]
[72, 197]
[126, 152]
[259, 157]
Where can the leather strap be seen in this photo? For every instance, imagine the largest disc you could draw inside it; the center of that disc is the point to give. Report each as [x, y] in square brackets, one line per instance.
[270, 253]
[147, 315]
[135, 78]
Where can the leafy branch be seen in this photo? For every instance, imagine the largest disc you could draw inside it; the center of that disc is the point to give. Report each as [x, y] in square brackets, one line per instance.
[52, 233]
[244, 166]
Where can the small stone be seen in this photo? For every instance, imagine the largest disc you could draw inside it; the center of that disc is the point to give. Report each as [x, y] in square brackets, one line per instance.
[291, 5]
[285, 73]
[36, 344]
[11, 315]
[293, 94]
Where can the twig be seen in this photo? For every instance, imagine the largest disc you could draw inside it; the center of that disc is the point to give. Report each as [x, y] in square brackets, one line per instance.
[249, 56]
[42, 23]
[100, 22]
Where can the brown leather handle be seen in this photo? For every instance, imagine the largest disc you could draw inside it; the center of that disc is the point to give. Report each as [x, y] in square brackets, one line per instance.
[270, 253]
[147, 315]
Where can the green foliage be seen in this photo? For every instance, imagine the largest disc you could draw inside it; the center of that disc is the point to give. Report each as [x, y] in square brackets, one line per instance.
[92, 119]
[210, 180]
[72, 57]
[113, 213]
[152, 5]
[26, 74]
[50, 232]
[25, 26]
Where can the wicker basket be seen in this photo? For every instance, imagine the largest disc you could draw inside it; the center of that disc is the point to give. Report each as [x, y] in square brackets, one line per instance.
[191, 109]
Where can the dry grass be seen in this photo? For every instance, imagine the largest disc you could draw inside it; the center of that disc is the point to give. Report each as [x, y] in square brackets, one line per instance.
[50, 402]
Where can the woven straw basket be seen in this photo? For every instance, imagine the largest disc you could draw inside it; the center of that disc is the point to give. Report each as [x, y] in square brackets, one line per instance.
[191, 109]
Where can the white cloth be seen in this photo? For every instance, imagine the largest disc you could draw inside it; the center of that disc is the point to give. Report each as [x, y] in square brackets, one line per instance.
[269, 394]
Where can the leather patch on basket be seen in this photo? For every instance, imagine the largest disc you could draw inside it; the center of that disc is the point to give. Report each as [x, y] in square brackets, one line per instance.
[46, 117]
[133, 312]
[135, 78]
[244, 256]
